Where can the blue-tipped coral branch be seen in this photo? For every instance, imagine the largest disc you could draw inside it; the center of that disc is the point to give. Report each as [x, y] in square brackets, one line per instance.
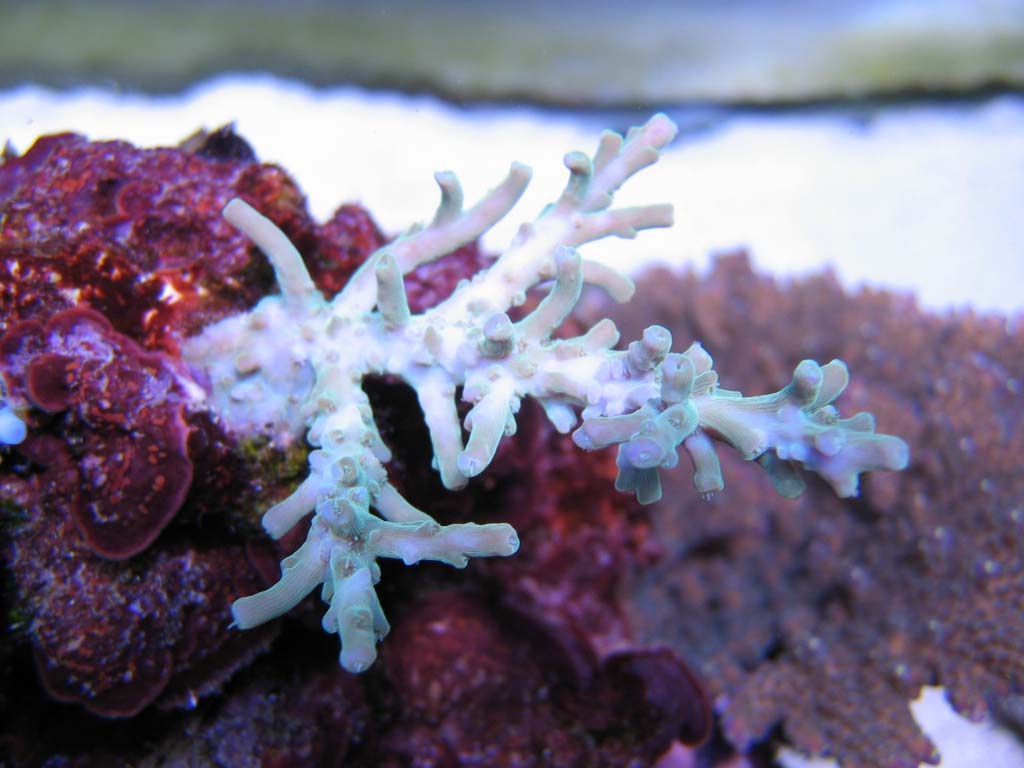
[295, 365]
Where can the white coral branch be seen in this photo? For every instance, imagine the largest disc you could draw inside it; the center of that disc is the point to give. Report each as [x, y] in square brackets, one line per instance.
[296, 362]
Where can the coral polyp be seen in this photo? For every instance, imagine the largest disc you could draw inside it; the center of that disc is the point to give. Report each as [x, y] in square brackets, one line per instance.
[295, 365]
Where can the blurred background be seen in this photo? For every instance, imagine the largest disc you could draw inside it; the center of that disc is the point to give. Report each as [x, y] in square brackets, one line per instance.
[882, 138]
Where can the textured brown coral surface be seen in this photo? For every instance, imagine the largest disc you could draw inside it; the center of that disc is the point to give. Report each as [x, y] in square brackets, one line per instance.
[827, 615]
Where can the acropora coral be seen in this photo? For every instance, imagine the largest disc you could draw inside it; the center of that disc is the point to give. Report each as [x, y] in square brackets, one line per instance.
[294, 366]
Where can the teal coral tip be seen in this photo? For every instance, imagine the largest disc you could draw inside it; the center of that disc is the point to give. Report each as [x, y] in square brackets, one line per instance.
[795, 427]
[799, 426]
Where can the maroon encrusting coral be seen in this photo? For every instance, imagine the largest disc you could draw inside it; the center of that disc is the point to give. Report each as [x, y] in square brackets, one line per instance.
[136, 234]
[110, 256]
[111, 635]
[126, 409]
[513, 694]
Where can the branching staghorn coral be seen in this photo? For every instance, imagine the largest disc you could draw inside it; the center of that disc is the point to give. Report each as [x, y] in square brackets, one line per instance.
[296, 362]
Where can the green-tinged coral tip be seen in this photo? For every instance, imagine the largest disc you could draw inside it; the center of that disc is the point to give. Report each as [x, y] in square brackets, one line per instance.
[301, 572]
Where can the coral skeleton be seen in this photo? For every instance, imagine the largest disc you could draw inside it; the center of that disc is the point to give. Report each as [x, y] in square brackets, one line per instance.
[295, 364]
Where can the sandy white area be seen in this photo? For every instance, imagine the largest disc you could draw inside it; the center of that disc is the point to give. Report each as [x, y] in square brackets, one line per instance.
[961, 743]
[926, 198]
